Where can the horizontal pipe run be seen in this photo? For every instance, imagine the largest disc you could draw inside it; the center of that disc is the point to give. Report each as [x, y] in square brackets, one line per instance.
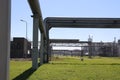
[36, 10]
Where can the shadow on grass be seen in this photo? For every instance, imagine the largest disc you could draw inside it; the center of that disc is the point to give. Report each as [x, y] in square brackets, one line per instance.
[26, 74]
[85, 63]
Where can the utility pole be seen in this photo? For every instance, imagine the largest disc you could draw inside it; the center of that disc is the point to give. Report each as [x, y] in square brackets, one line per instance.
[26, 26]
[26, 47]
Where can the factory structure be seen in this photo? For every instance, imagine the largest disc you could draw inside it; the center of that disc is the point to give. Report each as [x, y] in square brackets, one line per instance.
[86, 48]
[22, 48]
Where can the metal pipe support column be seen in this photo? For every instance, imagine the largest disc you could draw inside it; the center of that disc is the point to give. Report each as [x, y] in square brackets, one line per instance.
[90, 49]
[42, 49]
[35, 52]
[45, 51]
[48, 50]
[5, 21]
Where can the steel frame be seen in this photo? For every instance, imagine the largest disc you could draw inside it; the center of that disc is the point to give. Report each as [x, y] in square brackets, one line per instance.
[71, 22]
[62, 22]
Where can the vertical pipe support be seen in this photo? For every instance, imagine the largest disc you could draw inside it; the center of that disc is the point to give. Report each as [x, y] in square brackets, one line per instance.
[90, 49]
[42, 49]
[47, 42]
[5, 22]
[35, 42]
[48, 45]
[45, 51]
[48, 50]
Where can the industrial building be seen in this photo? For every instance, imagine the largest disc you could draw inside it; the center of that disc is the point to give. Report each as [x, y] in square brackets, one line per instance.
[20, 48]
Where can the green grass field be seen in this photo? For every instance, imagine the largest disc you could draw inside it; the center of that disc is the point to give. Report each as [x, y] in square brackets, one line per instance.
[67, 68]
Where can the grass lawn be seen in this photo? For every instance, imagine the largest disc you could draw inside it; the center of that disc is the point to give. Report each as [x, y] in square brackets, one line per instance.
[67, 68]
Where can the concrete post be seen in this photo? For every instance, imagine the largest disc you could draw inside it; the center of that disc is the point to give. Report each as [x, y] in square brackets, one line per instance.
[5, 19]
[41, 49]
[35, 42]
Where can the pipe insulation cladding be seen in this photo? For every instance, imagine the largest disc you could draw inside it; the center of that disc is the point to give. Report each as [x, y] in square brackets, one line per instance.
[36, 10]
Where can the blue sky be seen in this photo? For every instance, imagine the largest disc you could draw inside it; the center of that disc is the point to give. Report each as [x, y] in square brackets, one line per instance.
[67, 8]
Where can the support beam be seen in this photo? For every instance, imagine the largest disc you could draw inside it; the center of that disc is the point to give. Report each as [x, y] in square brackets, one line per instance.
[42, 49]
[46, 55]
[45, 52]
[67, 22]
[5, 15]
[35, 52]
[48, 51]
[49, 54]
